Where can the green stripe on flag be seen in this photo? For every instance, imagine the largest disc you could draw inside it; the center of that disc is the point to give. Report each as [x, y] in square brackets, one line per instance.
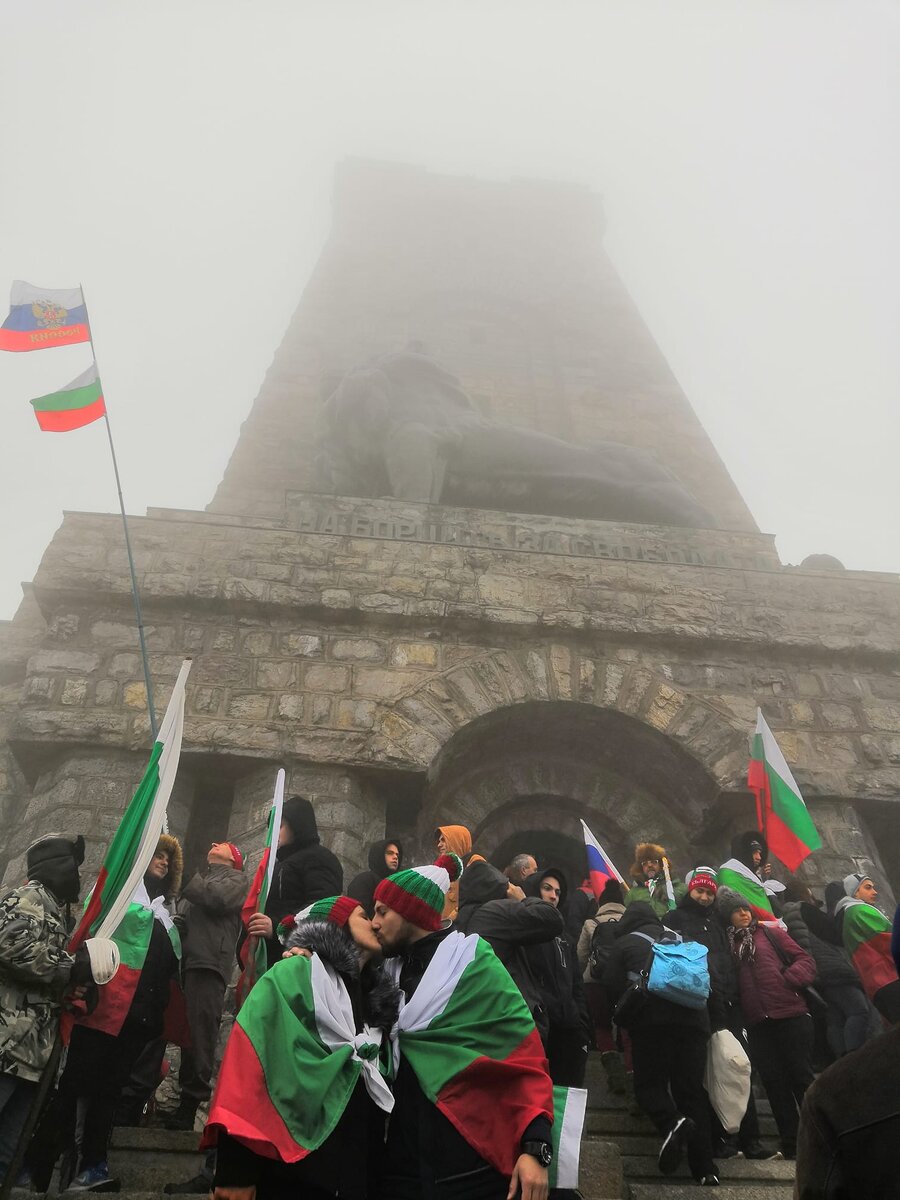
[862, 922]
[791, 810]
[65, 401]
[750, 889]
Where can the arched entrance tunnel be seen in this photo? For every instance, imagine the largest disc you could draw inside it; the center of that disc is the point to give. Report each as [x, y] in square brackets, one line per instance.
[522, 778]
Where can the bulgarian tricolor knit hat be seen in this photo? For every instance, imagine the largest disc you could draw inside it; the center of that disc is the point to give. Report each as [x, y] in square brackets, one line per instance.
[336, 909]
[418, 893]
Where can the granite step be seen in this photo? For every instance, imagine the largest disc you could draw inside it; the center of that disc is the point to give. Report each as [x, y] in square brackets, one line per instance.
[728, 1191]
[643, 1167]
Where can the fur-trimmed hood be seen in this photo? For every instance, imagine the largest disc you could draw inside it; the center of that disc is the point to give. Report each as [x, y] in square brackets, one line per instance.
[645, 850]
[172, 882]
[334, 945]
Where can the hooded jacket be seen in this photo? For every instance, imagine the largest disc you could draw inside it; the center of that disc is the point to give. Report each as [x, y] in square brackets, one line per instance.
[362, 886]
[305, 870]
[833, 965]
[160, 967]
[702, 923]
[770, 990]
[349, 1158]
[610, 910]
[211, 905]
[510, 926]
[459, 842]
[554, 967]
[630, 956]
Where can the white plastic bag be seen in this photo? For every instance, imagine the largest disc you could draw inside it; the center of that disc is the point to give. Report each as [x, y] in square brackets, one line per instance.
[727, 1079]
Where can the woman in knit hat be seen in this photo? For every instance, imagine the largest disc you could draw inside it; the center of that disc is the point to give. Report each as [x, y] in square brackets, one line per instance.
[772, 970]
[300, 1104]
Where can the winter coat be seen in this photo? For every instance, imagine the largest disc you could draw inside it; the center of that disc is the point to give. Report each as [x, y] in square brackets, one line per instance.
[579, 906]
[154, 988]
[305, 870]
[833, 965]
[459, 842]
[769, 990]
[605, 917]
[211, 906]
[362, 886]
[350, 1157]
[656, 895]
[554, 967]
[510, 926]
[850, 1126]
[698, 923]
[629, 956]
[34, 973]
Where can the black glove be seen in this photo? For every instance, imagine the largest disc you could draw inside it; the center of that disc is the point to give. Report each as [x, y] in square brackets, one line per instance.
[81, 969]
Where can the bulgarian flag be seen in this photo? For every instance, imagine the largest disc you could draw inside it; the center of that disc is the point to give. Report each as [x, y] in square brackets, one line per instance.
[739, 878]
[118, 906]
[472, 1044]
[297, 1025]
[783, 817]
[78, 403]
[867, 939]
[253, 957]
[43, 317]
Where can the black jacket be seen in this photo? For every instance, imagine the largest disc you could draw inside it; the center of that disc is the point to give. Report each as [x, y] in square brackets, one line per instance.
[510, 926]
[578, 907]
[151, 997]
[304, 871]
[425, 1156]
[554, 967]
[362, 886]
[697, 923]
[350, 1156]
[833, 965]
[632, 955]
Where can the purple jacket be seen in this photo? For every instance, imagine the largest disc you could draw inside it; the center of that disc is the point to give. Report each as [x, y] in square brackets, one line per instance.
[768, 987]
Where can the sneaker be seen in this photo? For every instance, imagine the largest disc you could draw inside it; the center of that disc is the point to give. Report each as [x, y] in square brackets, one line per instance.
[197, 1185]
[182, 1118]
[758, 1151]
[94, 1179]
[725, 1150]
[708, 1181]
[671, 1151]
[788, 1150]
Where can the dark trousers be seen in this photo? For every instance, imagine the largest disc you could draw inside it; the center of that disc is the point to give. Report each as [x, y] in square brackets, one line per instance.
[567, 1054]
[887, 1001]
[848, 1017]
[204, 995]
[782, 1053]
[16, 1098]
[97, 1068]
[669, 1061]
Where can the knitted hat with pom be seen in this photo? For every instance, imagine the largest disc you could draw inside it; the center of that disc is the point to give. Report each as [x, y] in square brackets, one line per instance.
[336, 909]
[418, 892]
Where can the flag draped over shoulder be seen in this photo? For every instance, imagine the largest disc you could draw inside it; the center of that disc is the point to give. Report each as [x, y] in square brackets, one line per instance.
[43, 317]
[78, 403]
[253, 955]
[735, 875]
[867, 939]
[789, 829]
[118, 906]
[472, 1044]
[292, 1061]
[601, 868]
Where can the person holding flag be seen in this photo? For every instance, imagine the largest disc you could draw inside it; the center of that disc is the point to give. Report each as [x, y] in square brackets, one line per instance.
[652, 880]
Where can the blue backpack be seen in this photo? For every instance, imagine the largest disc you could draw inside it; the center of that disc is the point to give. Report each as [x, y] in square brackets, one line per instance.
[679, 972]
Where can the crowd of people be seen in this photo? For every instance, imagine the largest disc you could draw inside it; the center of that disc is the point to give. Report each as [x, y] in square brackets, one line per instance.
[386, 1052]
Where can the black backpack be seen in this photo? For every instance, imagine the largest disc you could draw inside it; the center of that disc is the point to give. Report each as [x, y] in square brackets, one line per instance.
[601, 944]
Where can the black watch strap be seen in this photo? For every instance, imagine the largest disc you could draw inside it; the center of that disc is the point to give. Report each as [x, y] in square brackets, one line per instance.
[542, 1151]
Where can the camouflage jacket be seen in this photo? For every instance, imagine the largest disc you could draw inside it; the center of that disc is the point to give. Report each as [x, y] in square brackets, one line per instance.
[34, 972]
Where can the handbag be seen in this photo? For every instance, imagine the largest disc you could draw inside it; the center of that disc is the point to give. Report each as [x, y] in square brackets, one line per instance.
[632, 1000]
[727, 1079]
[815, 1001]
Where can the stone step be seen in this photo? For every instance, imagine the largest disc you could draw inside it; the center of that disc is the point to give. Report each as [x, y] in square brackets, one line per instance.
[648, 1143]
[613, 1120]
[659, 1190]
[730, 1169]
[126, 1137]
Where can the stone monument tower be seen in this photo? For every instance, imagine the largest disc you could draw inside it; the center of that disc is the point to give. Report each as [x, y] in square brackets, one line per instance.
[474, 560]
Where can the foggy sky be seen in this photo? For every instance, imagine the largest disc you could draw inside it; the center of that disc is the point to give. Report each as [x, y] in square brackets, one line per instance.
[176, 158]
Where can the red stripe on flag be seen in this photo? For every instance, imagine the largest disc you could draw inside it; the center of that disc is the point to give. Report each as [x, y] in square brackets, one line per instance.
[115, 1001]
[254, 1120]
[874, 963]
[492, 1102]
[63, 420]
[42, 339]
[91, 913]
[782, 840]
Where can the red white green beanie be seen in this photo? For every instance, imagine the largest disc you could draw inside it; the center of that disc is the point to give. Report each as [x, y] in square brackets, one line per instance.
[336, 909]
[418, 893]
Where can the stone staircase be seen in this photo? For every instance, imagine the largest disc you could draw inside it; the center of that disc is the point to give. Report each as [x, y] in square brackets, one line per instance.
[618, 1158]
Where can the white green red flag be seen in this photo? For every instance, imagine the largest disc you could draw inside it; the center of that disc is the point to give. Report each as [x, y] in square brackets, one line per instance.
[297, 1025]
[40, 318]
[253, 957]
[739, 878]
[78, 403]
[118, 906]
[867, 939]
[783, 817]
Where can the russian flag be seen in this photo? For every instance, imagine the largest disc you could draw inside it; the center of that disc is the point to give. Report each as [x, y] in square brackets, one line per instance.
[40, 318]
[600, 866]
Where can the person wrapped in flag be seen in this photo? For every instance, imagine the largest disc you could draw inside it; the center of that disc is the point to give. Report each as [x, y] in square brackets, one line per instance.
[747, 872]
[473, 1102]
[301, 1099]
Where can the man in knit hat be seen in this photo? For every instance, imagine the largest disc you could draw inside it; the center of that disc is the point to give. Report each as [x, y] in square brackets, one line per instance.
[866, 935]
[209, 919]
[472, 1097]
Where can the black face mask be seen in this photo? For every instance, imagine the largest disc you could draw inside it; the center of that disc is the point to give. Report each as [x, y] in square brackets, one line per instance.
[55, 863]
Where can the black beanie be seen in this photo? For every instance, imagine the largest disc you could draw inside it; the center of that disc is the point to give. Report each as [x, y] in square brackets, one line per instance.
[54, 861]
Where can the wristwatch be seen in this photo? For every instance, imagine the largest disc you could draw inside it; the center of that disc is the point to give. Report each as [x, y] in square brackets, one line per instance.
[542, 1151]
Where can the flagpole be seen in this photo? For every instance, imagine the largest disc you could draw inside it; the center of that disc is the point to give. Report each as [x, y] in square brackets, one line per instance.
[135, 595]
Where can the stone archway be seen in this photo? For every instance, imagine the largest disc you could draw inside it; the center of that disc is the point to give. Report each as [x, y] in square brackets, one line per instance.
[535, 770]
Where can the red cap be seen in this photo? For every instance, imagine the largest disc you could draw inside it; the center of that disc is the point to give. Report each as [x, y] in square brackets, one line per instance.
[236, 855]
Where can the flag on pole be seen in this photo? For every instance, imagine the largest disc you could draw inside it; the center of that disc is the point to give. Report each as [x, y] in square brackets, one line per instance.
[601, 868]
[739, 878]
[253, 956]
[78, 403]
[40, 318]
[784, 818]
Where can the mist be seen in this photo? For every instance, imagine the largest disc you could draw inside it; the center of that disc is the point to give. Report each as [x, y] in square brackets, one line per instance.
[177, 158]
